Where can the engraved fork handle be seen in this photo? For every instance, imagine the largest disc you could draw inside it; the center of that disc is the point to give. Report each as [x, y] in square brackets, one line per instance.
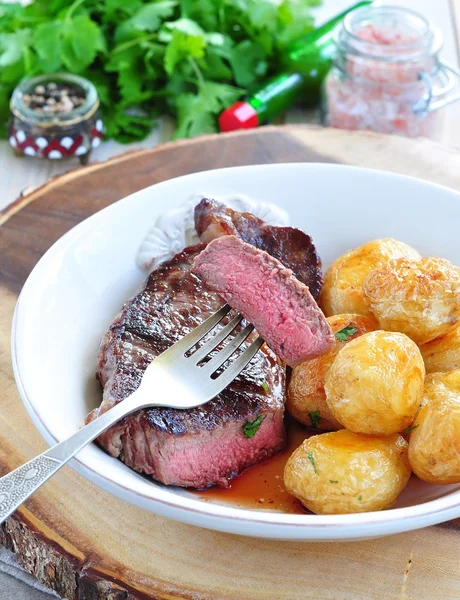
[20, 484]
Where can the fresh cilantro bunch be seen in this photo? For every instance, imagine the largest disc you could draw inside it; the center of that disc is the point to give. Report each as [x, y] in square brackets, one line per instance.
[188, 58]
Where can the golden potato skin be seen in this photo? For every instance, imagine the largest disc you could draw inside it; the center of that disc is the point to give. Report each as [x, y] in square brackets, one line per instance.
[434, 442]
[305, 394]
[343, 281]
[443, 353]
[375, 383]
[343, 472]
[418, 298]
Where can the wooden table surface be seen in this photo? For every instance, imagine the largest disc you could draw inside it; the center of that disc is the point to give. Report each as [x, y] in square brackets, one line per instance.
[88, 545]
[17, 174]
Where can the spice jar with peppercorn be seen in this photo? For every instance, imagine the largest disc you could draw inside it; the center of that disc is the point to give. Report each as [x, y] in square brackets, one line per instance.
[55, 117]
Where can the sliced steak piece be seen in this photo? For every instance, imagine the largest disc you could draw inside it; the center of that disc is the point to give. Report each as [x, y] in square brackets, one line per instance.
[268, 295]
[201, 446]
[292, 247]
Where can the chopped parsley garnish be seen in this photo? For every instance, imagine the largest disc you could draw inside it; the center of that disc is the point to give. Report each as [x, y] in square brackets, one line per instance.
[315, 417]
[250, 428]
[409, 429]
[346, 333]
[312, 460]
[333, 481]
[265, 387]
[360, 498]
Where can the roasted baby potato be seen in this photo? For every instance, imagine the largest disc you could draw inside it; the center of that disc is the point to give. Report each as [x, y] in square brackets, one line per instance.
[434, 443]
[344, 472]
[443, 353]
[343, 282]
[375, 383]
[418, 298]
[306, 398]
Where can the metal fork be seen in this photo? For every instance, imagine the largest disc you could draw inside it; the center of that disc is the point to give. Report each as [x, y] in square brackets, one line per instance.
[177, 378]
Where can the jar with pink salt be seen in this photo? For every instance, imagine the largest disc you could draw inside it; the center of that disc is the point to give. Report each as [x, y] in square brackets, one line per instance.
[387, 75]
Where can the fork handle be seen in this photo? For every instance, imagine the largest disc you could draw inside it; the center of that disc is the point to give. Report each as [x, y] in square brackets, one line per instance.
[20, 484]
[17, 486]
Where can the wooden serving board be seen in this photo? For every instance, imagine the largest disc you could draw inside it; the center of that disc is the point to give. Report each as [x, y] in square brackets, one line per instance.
[86, 544]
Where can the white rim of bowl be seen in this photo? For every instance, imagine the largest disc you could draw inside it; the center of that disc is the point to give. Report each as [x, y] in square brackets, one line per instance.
[301, 527]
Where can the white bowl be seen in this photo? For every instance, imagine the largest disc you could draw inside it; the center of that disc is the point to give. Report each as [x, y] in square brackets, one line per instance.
[80, 284]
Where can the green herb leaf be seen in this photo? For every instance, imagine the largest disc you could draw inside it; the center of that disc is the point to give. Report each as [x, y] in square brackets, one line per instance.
[116, 10]
[10, 15]
[56, 6]
[360, 498]
[206, 12]
[259, 18]
[196, 113]
[128, 63]
[186, 26]
[409, 429]
[153, 60]
[193, 118]
[183, 46]
[102, 83]
[47, 44]
[263, 14]
[219, 95]
[312, 460]
[81, 40]
[149, 17]
[265, 387]
[294, 20]
[248, 61]
[12, 46]
[215, 67]
[250, 428]
[124, 59]
[14, 72]
[16, 58]
[333, 481]
[130, 87]
[315, 417]
[216, 39]
[346, 333]
[124, 125]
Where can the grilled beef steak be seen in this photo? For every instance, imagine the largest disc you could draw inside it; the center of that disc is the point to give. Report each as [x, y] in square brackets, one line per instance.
[201, 446]
[292, 247]
[268, 295]
[206, 445]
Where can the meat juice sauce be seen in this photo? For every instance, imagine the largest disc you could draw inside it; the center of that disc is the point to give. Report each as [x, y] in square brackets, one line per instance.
[261, 486]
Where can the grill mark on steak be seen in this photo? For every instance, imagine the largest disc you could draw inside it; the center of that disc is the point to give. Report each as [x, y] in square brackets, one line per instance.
[200, 446]
[291, 246]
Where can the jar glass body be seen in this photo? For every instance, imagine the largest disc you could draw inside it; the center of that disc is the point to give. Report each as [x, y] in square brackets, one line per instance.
[386, 73]
[58, 136]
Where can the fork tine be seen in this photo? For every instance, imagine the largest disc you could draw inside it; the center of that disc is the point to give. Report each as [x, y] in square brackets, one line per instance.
[235, 368]
[192, 338]
[227, 350]
[211, 344]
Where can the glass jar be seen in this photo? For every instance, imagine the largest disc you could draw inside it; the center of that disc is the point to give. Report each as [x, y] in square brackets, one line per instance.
[60, 135]
[387, 75]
